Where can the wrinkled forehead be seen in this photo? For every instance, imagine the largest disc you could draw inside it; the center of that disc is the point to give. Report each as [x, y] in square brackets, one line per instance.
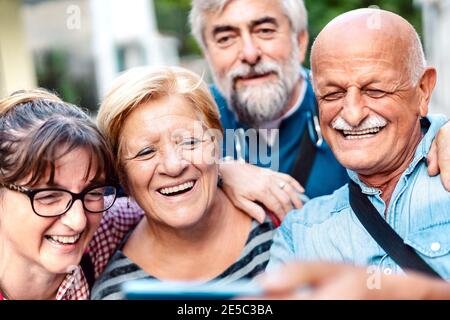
[170, 123]
[162, 127]
[367, 36]
[162, 114]
[358, 55]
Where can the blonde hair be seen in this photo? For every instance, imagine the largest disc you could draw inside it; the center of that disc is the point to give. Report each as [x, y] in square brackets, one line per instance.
[26, 96]
[143, 84]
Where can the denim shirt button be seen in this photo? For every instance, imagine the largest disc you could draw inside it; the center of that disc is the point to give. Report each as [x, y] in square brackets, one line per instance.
[435, 246]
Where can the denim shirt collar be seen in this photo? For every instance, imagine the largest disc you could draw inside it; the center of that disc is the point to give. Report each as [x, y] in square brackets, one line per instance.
[435, 122]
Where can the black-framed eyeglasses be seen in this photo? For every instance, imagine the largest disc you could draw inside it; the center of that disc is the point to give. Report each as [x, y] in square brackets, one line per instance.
[54, 202]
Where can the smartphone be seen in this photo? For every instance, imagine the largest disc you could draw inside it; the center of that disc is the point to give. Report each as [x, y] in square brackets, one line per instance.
[151, 289]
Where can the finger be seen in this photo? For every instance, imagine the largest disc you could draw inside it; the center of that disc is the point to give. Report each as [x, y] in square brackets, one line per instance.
[289, 278]
[272, 204]
[432, 160]
[445, 176]
[294, 183]
[293, 196]
[340, 289]
[283, 198]
[443, 155]
[252, 209]
[294, 199]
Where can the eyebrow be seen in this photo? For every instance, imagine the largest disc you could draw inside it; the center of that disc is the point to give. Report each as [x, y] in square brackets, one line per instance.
[226, 28]
[223, 28]
[263, 20]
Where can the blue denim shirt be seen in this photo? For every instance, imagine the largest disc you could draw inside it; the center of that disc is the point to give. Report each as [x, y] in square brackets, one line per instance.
[327, 228]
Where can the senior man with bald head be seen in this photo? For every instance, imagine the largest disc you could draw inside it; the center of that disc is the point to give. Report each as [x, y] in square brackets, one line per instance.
[373, 89]
[255, 50]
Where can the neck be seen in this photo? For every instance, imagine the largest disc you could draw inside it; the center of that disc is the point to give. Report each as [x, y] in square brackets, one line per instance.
[292, 102]
[221, 218]
[21, 280]
[387, 181]
[192, 253]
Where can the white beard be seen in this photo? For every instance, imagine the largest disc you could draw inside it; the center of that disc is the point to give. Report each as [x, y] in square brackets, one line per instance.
[257, 104]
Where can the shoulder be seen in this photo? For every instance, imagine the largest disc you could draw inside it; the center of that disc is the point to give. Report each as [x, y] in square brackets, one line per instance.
[319, 210]
[218, 97]
[428, 195]
[123, 213]
[114, 226]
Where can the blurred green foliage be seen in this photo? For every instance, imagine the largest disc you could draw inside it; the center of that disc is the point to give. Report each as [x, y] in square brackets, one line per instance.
[54, 74]
[320, 12]
[172, 16]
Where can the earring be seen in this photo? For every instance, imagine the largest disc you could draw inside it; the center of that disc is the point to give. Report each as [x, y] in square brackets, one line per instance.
[128, 202]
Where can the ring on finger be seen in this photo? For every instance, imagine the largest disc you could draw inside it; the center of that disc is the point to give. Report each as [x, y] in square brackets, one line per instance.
[282, 184]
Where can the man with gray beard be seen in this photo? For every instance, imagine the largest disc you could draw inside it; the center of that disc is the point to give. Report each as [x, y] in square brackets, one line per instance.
[255, 49]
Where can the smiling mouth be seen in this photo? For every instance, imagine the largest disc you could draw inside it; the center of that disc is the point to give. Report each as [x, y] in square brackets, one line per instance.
[177, 190]
[360, 134]
[63, 240]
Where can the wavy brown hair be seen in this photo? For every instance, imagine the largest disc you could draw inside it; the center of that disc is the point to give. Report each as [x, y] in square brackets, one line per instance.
[37, 128]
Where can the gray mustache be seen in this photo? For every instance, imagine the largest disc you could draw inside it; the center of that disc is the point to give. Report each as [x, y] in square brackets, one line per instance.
[246, 71]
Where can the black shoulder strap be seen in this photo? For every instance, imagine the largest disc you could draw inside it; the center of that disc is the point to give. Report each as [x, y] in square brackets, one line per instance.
[384, 235]
[305, 159]
[88, 269]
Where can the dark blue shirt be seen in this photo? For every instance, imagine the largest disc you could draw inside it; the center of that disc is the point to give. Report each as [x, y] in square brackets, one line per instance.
[326, 174]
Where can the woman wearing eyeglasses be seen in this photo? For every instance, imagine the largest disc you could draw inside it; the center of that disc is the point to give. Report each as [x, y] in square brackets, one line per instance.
[56, 181]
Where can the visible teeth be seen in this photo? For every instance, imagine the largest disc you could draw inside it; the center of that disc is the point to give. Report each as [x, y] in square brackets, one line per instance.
[66, 240]
[179, 188]
[361, 132]
[358, 137]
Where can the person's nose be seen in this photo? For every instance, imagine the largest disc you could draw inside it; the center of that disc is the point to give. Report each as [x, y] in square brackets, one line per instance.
[354, 110]
[75, 218]
[250, 51]
[173, 162]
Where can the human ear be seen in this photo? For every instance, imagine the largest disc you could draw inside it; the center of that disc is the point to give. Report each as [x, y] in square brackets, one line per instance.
[425, 86]
[302, 42]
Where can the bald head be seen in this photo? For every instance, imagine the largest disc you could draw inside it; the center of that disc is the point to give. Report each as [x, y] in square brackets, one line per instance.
[372, 88]
[372, 30]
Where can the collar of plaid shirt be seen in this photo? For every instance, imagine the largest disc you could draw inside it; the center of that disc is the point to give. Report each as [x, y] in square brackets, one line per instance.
[73, 287]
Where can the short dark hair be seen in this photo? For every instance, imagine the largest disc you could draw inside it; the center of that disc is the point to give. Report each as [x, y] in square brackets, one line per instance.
[34, 125]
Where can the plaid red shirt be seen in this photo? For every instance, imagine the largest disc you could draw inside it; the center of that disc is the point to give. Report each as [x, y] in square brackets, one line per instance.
[115, 224]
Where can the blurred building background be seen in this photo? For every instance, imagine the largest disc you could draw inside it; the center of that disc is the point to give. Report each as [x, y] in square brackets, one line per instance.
[77, 47]
[436, 30]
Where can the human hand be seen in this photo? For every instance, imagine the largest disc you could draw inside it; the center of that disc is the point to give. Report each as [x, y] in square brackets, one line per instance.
[439, 156]
[246, 184]
[326, 281]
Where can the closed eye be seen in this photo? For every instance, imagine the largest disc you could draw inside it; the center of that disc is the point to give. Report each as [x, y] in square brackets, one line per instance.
[145, 152]
[375, 93]
[191, 142]
[333, 96]
[50, 197]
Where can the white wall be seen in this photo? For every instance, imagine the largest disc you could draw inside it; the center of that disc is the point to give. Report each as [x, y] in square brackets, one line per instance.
[16, 64]
[436, 30]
